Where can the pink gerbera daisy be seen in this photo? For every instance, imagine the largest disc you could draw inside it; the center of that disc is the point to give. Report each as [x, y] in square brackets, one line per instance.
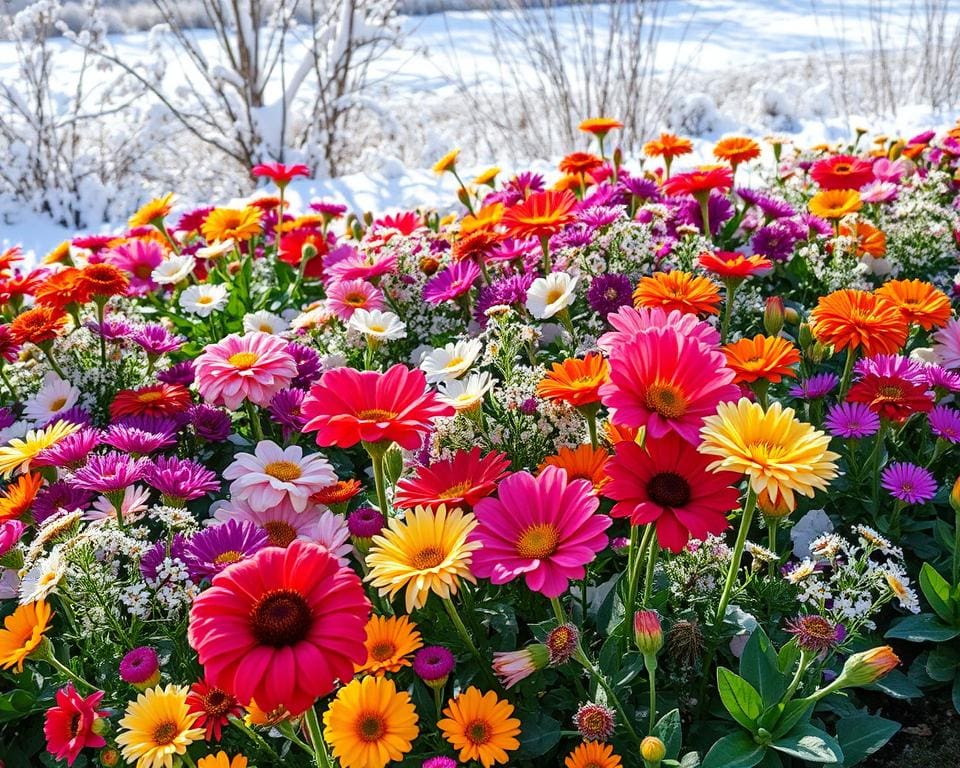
[283, 524]
[282, 627]
[947, 344]
[347, 263]
[253, 367]
[544, 528]
[272, 476]
[452, 282]
[344, 297]
[138, 258]
[630, 322]
[666, 482]
[667, 382]
[347, 406]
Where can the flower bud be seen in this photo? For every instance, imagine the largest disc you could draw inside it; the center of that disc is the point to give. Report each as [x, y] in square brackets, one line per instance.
[100, 726]
[867, 667]
[647, 632]
[805, 336]
[791, 316]
[773, 510]
[773, 315]
[652, 750]
[109, 757]
[513, 666]
[955, 496]
[562, 643]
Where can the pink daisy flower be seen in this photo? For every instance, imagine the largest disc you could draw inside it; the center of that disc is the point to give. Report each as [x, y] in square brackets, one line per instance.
[253, 367]
[351, 264]
[272, 476]
[667, 382]
[947, 346]
[452, 282]
[545, 528]
[344, 297]
[138, 258]
[283, 524]
[629, 322]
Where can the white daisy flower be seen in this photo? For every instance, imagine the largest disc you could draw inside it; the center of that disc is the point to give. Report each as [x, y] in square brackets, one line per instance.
[466, 394]
[215, 250]
[377, 324]
[203, 299]
[173, 269]
[54, 397]
[548, 295]
[42, 578]
[265, 322]
[451, 361]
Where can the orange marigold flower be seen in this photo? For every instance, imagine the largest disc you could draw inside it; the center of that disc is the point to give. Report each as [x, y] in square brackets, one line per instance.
[580, 163]
[700, 182]
[574, 381]
[19, 495]
[156, 400]
[733, 265]
[447, 163]
[835, 203]
[870, 240]
[668, 146]
[736, 150]
[918, 301]
[540, 215]
[486, 218]
[762, 357]
[581, 463]
[38, 325]
[238, 224]
[852, 319]
[691, 294]
[63, 288]
[474, 246]
[152, 212]
[599, 126]
[338, 493]
[103, 280]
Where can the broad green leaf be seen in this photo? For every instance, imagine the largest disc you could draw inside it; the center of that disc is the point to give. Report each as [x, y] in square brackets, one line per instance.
[862, 735]
[737, 750]
[668, 730]
[898, 685]
[760, 667]
[937, 591]
[788, 657]
[809, 743]
[740, 698]
[540, 734]
[795, 712]
[942, 663]
[919, 629]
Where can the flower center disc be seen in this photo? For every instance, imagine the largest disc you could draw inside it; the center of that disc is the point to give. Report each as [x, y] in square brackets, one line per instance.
[665, 399]
[280, 618]
[242, 360]
[426, 558]
[371, 727]
[382, 651]
[376, 414]
[279, 533]
[538, 541]
[668, 489]
[225, 558]
[285, 471]
[165, 733]
[455, 491]
[478, 731]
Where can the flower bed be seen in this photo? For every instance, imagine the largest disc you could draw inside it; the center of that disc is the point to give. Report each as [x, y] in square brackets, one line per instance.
[638, 469]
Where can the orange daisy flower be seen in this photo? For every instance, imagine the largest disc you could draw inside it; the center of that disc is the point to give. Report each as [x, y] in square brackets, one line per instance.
[918, 301]
[729, 265]
[59, 255]
[835, 203]
[390, 642]
[156, 400]
[736, 150]
[762, 357]
[581, 463]
[566, 182]
[103, 280]
[486, 218]
[474, 246]
[63, 288]
[619, 433]
[668, 146]
[38, 325]
[691, 294]
[599, 126]
[870, 240]
[580, 163]
[19, 495]
[852, 319]
[540, 215]
[152, 212]
[339, 493]
[574, 381]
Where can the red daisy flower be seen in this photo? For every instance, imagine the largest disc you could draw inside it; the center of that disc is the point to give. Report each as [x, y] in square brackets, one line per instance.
[280, 174]
[214, 706]
[69, 725]
[155, 400]
[700, 182]
[891, 397]
[842, 172]
[460, 481]
[732, 265]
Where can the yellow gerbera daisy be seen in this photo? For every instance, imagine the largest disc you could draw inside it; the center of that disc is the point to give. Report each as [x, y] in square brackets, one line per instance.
[780, 454]
[222, 760]
[152, 212]
[426, 551]
[59, 255]
[19, 452]
[487, 176]
[157, 726]
[22, 632]
[389, 642]
[447, 162]
[370, 723]
[480, 726]
[237, 224]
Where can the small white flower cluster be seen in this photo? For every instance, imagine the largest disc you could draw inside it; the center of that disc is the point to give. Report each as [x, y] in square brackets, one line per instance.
[696, 574]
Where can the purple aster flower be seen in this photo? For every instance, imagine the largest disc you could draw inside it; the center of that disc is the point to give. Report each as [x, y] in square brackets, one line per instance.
[452, 282]
[110, 472]
[157, 340]
[597, 216]
[815, 633]
[939, 377]
[603, 196]
[180, 480]
[525, 183]
[308, 365]
[179, 373]
[815, 225]
[365, 522]
[140, 666]
[138, 442]
[818, 385]
[771, 207]
[285, 409]
[73, 415]
[777, 241]
[529, 406]
[851, 420]
[57, 498]
[71, 452]
[609, 292]
[433, 664]
[153, 558]
[213, 549]
[150, 422]
[892, 366]
[439, 761]
[209, 423]
[908, 482]
[112, 329]
[575, 236]
[945, 423]
[6, 415]
[511, 291]
[638, 186]
[720, 211]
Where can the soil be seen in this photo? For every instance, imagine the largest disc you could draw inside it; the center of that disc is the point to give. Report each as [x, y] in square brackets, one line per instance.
[930, 735]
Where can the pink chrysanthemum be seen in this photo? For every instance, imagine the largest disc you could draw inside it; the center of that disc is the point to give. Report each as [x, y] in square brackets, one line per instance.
[452, 282]
[667, 382]
[544, 528]
[629, 323]
[282, 627]
[272, 476]
[138, 258]
[947, 346]
[253, 367]
[344, 297]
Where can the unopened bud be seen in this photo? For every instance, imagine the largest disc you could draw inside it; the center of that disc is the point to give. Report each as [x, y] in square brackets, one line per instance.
[791, 315]
[647, 632]
[109, 757]
[867, 667]
[773, 315]
[653, 751]
[100, 726]
[805, 336]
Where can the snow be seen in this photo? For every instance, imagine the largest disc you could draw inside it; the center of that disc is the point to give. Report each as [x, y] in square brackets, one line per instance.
[750, 66]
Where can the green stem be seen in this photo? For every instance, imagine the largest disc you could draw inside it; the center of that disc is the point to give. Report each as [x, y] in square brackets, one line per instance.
[6, 381]
[257, 739]
[466, 193]
[286, 728]
[48, 353]
[590, 414]
[545, 246]
[772, 524]
[188, 760]
[652, 554]
[847, 372]
[875, 461]
[558, 611]
[462, 630]
[732, 286]
[377, 452]
[651, 664]
[255, 428]
[745, 521]
[633, 564]
[54, 662]
[704, 200]
[101, 303]
[956, 546]
[805, 658]
[316, 738]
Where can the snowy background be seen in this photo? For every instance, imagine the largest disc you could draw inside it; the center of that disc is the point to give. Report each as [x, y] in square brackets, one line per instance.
[94, 119]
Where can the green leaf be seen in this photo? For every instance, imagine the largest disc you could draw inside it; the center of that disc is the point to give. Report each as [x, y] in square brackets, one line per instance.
[788, 657]
[919, 629]
[937, 591]
[740, 698]
[15, 704]
[760, 667]
[795, 712]
[540, 734]
[896, 684]
[737, 750]
[770, 760]
[942, 663]
[668, 730]
[862, 735]
[809, 743]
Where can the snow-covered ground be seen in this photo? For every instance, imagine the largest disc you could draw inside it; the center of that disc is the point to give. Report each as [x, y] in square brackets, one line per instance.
[753, 65]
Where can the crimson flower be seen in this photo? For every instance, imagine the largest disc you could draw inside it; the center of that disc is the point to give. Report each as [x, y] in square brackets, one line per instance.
[280, 174]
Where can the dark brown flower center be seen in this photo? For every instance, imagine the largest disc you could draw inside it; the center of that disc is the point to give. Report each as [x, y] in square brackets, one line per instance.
[479, 731]
[280, 533]
[280, 618]
[370, 727]
[165, 733]
[668, 489]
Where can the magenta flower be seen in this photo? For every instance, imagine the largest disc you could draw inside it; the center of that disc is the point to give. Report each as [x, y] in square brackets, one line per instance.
[818, 385]
[109, 472]
[70, 452]
[10, 533]
[909, 483]
[433, 663]
[851, 420]
[253, 367]
[945, 423]
[180, 480]
[138, 442]
[454, 281]
[156, 340]
[140, 666]
[213, 549]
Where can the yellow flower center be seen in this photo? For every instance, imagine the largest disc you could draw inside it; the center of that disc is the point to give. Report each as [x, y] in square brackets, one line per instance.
[165, 733]
[370, 727]
[454, 362]
[205, 300]
[279, 533]
[149, 397]
[224, 558]
[382, 650]
[57, 404]
[285, 471]
[426, 558]
[666, 399]
[455, 491]
[554, 295]
[538, 541]
[355, 299]
[478, 731]
[376, 414]
[243, 360]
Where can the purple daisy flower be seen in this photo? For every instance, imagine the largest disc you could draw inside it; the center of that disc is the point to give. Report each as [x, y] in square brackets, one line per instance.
[136, 441]
[851, 420]
[328, 208]
[112, 329]
[209, 423]
[452, 282]
[365, 522]
[285, 409]
[893, 366]
[179, 373]
[153, 558]
[818, 385]
[576, 236]
[439, 761]
[433, 664]
[597, 216]
[71, 452]
[526, 182]
[213, 549]
[59, 498]
[638, 186]
[945, 423]
[511, 291]
[777, 241]
[6, 415]
[110, 472]
[156, 340]
[771, 207]
[815, 225]
[609, 292]
[908, 482]
[511, 249]
[180, 480]
[73, 415]
[720, 211]
[140, 665]
[308, 365]
[939, 377]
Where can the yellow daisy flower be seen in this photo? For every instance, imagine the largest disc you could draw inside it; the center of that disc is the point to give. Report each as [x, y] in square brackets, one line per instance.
[389, 642]
[157, 726]
[19, 452]
[222, 760]
[22, 633]
[152, 212]
[448, 162]
[238, 224]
